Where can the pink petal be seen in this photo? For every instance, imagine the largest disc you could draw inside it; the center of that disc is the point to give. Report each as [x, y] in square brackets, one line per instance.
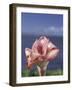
[34, 46]
[40, 46]
[44, 43]
[28, 53]
[51, 45]
[32, 57]
[52, 54]
[42, 50]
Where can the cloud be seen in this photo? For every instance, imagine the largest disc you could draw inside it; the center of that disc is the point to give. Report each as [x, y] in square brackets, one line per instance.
[49, 31]
[53, 31]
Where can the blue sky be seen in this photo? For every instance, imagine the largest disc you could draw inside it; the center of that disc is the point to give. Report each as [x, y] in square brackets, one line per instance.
[42, 24]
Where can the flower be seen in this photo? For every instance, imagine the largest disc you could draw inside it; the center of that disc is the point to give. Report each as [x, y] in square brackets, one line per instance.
[42, 50]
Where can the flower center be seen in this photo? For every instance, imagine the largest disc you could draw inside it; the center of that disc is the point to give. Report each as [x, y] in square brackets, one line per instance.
[40, 50]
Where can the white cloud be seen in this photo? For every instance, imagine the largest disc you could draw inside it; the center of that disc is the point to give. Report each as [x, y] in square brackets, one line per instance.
[54, 31]
[49, 31]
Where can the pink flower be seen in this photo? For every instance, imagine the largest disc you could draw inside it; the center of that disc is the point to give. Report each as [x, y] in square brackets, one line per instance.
[42, 50]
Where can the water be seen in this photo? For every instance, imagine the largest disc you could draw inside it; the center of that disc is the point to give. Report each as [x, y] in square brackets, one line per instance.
[28, 40]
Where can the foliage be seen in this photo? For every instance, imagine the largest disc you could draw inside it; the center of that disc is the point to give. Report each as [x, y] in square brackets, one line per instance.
[28, 73]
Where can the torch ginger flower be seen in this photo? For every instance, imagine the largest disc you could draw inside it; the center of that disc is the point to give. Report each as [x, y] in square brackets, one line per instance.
[42, 52]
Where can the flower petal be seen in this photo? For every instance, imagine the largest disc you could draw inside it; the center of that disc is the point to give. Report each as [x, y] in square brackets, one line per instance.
[28, 53]
[40, 46]
[52, 54]
[34, 46]
[44, 42]
[51, 45]
[42, 50]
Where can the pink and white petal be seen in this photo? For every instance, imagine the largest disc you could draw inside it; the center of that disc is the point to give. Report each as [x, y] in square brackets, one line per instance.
[44, 42]
[51, 45]
[28, 53]
[34, 46]
[35, 55]
[52, 54]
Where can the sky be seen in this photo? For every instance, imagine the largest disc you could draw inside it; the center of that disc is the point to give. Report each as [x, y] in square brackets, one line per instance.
[42, 24]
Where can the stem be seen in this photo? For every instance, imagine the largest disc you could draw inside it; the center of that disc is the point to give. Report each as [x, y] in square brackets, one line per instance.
[41, 67]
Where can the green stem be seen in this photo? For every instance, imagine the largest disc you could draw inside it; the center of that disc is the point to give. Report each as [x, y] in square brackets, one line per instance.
[41, 67]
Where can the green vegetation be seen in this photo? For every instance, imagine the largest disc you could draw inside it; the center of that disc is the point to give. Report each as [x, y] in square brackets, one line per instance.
[28, 73]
